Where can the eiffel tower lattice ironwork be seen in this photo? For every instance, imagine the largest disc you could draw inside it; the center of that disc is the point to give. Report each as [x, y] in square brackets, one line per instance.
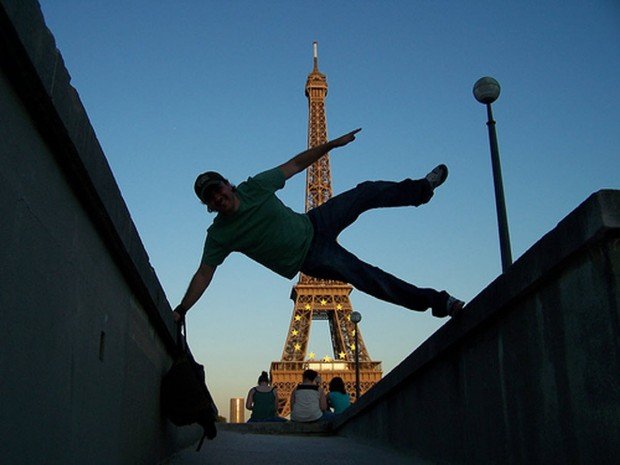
[318, 299]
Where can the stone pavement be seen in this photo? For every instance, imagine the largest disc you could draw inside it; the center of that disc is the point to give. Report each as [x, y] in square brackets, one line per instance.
[236, 447]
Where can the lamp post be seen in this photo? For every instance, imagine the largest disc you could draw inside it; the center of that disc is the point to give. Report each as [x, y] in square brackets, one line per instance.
[486, 91]
[356, 317]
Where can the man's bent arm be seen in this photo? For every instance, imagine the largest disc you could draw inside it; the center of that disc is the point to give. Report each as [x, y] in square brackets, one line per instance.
[304, 159]
[197, 286]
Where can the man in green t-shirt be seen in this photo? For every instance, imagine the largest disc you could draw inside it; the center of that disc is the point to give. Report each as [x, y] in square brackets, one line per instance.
[252, 220]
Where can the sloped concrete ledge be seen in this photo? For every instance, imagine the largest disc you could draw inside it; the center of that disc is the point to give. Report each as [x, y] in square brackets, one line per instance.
[30, 60]
[529, 372]
[89, 330]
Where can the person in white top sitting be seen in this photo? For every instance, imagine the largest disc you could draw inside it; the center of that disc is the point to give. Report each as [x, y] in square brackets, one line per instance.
[308, 400]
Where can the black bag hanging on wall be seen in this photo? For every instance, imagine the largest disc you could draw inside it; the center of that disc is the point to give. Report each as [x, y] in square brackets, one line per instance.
[185, 398]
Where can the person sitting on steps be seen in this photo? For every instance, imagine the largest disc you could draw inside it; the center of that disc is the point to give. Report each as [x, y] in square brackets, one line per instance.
[262, 400]
[338, 398]
[308, 400]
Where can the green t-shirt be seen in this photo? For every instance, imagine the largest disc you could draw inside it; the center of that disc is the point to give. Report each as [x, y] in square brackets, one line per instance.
[263, 228]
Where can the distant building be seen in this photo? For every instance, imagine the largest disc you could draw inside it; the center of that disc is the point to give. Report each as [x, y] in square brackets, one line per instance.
[237, 410]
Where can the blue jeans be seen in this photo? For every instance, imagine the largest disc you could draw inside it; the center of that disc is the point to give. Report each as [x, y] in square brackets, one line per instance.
[326, 259]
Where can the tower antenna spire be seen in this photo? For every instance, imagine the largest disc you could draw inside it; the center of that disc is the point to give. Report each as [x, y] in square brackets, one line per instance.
[315, 54]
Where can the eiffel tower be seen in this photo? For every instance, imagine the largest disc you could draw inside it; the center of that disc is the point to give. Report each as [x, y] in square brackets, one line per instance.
[318, 299]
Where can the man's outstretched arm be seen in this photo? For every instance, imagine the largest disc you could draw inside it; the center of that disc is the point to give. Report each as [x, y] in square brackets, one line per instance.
[197, 286]
[304, 159]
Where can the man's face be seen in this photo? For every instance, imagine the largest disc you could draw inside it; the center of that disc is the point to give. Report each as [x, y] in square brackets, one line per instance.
[221, 198]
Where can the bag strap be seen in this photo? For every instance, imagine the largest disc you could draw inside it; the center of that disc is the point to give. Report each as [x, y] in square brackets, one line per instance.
[202, 439]
[182, 336]
[182, 345]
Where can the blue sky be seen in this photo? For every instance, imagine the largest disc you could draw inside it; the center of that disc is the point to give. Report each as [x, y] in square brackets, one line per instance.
[176, 88]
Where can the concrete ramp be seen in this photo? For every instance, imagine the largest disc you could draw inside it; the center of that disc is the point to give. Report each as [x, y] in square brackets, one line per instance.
[233, 447]
[530, 373]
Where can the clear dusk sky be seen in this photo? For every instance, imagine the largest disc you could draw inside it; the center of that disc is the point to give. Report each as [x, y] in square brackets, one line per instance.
[175, 88]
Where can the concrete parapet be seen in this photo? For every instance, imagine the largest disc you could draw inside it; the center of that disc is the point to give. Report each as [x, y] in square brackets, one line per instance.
[86, 332]
[529, 374]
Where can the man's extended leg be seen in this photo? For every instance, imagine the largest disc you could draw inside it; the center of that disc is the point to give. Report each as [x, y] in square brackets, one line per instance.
[340, 211]
[327, 259]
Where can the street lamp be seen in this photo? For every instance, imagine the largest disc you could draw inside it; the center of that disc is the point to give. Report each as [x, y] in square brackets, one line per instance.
[486, 91]
[356, 317]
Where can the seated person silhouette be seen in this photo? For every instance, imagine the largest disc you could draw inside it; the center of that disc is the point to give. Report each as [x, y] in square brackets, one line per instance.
[262, 400]
[308, 400]
[337, 398]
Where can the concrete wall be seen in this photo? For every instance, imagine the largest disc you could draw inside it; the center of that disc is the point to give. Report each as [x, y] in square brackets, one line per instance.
[86, 329]
[530, 374]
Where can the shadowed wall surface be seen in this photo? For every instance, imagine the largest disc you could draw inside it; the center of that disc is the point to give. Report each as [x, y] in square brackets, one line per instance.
[529, 374]
[86, 326]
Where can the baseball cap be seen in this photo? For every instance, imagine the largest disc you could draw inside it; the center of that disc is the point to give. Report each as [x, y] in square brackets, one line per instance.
[205, 180]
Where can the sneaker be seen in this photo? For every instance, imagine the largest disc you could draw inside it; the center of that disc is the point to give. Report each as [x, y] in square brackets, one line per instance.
[454, 306]
[437, 177]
